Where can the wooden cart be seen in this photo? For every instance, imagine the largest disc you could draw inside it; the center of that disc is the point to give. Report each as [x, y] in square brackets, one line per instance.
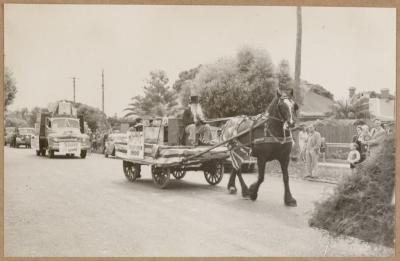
[158, 144]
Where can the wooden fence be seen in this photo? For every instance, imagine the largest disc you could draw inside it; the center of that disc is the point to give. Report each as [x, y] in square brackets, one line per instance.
[337, 134]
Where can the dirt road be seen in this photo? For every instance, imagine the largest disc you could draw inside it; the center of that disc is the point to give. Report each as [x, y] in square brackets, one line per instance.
[86, 207]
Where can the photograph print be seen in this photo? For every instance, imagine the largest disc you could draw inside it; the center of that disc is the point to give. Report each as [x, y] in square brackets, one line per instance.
[199, 131]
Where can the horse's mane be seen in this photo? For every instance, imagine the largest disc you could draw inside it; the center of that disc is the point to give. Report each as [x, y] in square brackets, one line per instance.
[272, 106]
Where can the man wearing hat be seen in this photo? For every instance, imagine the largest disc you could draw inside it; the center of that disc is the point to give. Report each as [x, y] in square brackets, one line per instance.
[198, 132]
[312, 151]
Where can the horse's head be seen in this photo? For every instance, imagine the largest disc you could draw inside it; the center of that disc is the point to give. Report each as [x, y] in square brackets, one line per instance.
[287, 108]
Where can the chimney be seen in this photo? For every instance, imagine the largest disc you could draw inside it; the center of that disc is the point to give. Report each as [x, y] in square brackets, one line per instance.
[385, 93]
[352, 91]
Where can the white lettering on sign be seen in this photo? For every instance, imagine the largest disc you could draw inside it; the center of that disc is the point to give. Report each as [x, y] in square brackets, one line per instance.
[69, 147]
[135, 145]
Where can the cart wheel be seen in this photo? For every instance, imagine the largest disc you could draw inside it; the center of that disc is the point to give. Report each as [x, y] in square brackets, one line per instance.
[178, 173]
[214, 173]
[161, 176]
[131, 171]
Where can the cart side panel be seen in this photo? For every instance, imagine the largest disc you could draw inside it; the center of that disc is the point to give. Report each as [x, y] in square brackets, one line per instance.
[175, 131]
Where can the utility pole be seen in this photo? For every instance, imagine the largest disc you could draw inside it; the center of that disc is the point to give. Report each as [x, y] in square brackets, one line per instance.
[73, 82]
[102, 90]
[297, 73]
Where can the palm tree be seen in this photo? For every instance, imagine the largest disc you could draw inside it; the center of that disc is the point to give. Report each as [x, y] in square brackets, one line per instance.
[345, 110]
[158, 99]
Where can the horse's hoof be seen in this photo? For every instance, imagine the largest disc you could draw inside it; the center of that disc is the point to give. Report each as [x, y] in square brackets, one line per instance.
[291, 203]
[232, 190]
[253, 196]
[245, 194]
[252, 193]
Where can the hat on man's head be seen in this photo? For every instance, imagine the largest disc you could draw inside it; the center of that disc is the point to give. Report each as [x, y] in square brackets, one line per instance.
[194, 99]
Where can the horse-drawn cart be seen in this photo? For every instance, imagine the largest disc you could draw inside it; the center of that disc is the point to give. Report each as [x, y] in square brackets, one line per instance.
[158, 144]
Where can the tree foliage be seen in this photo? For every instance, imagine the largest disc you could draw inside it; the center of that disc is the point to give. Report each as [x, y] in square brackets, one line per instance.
[233, 86]
[95, 118]
[10, 88]
[183, 77]
[23, 117]
[345, 110]
[158, 98]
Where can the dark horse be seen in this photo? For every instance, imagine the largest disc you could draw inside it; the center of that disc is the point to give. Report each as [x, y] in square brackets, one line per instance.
[269, 138]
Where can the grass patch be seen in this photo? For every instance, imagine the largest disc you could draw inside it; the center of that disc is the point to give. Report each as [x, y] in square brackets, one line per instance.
[297, 169]
[361, 203]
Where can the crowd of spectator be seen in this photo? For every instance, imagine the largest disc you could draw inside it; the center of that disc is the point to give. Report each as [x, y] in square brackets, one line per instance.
[364, 144]
[98, 140]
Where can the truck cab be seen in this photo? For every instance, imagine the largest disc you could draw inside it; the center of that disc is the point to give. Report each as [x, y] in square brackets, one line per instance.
[62, 134]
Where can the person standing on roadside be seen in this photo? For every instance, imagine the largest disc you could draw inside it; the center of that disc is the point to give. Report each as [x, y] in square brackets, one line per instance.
[354, 156]
[378, 135]
[312, 151]
[303, 136]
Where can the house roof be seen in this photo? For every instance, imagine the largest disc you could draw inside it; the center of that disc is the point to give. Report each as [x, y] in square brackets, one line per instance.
[315, 104]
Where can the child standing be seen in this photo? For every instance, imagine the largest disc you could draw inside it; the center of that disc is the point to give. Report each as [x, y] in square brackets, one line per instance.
[354, 156]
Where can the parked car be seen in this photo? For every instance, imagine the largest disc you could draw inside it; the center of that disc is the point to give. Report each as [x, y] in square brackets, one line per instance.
[24, 137]
[113, 141]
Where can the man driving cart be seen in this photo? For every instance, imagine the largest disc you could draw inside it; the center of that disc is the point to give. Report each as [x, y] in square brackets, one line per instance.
[197, 132]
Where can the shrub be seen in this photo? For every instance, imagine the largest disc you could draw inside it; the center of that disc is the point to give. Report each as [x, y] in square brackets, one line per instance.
[361, 203]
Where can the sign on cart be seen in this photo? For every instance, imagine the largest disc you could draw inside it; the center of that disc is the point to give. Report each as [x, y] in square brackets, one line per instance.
[135, 145]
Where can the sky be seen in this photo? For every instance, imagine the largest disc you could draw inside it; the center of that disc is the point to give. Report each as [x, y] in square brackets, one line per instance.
[47, 45]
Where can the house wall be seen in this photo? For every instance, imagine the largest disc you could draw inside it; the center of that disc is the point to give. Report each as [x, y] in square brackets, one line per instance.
[382, 108]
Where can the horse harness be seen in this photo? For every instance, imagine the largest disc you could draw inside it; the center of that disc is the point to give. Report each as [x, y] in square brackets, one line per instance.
[268, 136]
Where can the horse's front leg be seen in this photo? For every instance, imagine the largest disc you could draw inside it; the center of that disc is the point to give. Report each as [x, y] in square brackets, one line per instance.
[253, 190]
[288, 199]
[245, 190]
[231, 183]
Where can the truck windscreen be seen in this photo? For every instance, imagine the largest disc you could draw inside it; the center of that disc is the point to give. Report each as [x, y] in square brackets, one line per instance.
[64, 123]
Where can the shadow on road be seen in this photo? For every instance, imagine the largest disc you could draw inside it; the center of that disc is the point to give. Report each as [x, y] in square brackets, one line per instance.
[146, 184]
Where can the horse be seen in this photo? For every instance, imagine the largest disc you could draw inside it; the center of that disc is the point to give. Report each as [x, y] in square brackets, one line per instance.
[269, 138]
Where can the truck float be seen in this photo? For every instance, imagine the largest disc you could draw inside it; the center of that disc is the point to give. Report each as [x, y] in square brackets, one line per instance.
[61, 131]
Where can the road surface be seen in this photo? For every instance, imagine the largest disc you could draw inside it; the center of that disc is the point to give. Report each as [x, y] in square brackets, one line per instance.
[86, 207]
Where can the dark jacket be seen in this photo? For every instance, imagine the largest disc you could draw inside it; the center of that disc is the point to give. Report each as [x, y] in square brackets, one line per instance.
[188, 117]
[362, 148]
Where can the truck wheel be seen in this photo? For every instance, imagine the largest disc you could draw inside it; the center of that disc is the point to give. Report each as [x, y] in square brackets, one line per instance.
[51, 154]
[83, 154]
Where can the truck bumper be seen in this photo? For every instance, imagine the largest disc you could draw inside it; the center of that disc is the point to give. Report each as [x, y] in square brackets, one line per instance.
[55, 146]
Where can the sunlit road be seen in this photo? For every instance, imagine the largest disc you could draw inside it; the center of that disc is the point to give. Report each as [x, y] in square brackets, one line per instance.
[86, 207]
